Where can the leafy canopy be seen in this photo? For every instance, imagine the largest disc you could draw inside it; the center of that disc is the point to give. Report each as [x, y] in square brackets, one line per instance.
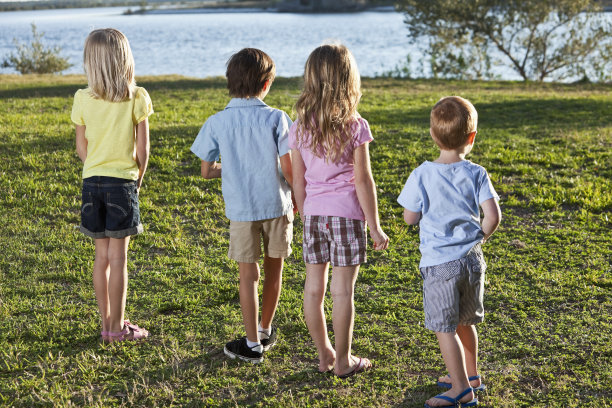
[34, 58]
[538, 39]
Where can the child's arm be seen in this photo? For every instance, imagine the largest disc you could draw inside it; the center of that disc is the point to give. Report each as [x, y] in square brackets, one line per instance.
[286, 168]
[299, 181]
[492, 217]
[411, 217]
[81, 142]
[366, 194]
[211, 170]
[142, 149]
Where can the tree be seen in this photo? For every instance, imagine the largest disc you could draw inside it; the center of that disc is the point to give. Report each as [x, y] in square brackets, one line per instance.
[34, 58]
[538, 39]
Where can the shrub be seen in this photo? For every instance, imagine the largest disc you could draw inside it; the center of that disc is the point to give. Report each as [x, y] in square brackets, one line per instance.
[34, 58]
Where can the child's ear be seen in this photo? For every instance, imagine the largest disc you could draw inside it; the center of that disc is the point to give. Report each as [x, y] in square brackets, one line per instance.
[471, 137]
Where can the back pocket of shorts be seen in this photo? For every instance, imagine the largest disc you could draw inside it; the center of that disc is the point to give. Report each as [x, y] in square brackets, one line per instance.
[118, 203]
[446, 271]
[87, 207]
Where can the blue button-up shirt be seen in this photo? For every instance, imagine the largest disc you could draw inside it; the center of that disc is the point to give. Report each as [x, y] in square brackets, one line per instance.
[250, 136]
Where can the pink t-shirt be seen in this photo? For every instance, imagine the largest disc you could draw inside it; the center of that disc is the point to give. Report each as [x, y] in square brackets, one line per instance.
[330, 187]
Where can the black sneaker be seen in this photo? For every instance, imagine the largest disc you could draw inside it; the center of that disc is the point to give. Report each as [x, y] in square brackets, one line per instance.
[239, 348]
[270, 341]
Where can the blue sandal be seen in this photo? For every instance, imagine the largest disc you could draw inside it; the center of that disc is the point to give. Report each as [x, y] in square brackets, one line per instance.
[481, 387]
[455, 401]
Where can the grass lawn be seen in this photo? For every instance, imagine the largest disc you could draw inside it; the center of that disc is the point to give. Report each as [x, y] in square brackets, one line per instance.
[547, 338]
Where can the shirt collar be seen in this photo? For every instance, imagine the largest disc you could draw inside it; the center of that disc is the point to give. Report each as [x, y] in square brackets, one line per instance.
[245, 102]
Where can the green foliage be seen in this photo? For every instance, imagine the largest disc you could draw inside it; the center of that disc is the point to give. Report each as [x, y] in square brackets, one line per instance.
[546, 339]
[34, 58]
[538, 39]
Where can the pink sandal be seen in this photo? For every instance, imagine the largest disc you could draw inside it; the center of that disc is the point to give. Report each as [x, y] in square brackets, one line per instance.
[130, 332]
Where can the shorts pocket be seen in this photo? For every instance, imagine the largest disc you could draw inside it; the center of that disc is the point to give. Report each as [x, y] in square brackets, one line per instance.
[345, 231]
[445, 271]
[119, 203]
[87, 207]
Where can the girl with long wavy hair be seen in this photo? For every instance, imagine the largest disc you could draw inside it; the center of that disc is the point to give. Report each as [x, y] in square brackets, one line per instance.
[336, 197]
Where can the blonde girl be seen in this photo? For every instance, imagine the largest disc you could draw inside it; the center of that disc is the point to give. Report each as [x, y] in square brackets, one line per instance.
[336, 197]
[112, 140]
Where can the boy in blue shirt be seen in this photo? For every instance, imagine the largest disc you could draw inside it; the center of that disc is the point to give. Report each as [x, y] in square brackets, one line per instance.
[252, 139]
[443, 197]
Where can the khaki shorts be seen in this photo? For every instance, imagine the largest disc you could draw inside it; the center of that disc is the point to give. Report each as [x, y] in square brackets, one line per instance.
[245, 238]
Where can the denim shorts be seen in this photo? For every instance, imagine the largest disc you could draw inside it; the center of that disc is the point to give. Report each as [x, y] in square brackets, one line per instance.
[339, 240]
[110, 208]
[453, 292]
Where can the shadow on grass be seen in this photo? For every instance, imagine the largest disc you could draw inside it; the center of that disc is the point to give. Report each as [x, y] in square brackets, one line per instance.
[538, 115]
[151, 84]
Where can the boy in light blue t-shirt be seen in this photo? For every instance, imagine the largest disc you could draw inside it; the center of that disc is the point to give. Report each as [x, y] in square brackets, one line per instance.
[252, 139]
[444, 197]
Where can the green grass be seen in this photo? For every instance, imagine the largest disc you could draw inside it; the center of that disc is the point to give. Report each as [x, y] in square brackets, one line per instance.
[547, 338]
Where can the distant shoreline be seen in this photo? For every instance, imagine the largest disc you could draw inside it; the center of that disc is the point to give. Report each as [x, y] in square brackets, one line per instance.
[200, 10]
[189, 7]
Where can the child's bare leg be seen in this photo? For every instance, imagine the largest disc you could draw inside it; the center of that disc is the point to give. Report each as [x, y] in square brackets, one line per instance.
[343, 314]
[118, 281]
[314, 313]
[101, 273]
[454, 358]
[249, 301]
[469, 339]
[273, 272]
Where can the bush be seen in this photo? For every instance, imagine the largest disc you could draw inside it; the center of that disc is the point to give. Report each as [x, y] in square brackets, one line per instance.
[34, 58]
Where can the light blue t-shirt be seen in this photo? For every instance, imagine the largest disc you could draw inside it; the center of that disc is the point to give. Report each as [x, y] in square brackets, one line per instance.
[250, 136]
[448, 197]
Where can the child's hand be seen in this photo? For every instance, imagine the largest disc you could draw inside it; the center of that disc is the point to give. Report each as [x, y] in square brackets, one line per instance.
[381, 240]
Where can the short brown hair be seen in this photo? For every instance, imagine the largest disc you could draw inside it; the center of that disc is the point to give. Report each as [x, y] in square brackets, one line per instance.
[248, 71]
[452, 120]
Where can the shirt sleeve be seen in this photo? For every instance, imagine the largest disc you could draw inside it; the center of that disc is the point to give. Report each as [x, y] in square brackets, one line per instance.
[77, 110]
[410, 198]
[143, 107]
[486, 188]
[206, 146]
[283, 134]
[363, 134]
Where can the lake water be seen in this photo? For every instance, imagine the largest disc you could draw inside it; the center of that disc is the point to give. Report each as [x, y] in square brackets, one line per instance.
[199, 44]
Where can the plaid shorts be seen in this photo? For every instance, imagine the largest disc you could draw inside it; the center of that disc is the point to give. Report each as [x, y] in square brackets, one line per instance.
[453, 292]
[341, 241]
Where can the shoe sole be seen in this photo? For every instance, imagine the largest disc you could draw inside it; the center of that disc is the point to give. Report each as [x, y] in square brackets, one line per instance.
[269, 346]
[243, 358]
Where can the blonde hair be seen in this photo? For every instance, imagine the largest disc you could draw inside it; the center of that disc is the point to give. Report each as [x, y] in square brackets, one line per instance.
[452, 120]
[109, 65]
[327, 107]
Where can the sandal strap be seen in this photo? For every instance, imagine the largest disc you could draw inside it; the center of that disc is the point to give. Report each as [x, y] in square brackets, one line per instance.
[463, 393]
[449, 399]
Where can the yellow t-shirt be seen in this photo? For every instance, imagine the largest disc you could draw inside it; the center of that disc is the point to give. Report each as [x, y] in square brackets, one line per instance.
[110, 132]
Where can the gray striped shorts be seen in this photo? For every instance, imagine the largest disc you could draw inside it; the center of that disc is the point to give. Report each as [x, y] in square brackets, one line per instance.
[453, 292]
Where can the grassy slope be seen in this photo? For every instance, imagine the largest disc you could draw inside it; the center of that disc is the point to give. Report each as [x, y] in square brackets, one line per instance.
[547, 336]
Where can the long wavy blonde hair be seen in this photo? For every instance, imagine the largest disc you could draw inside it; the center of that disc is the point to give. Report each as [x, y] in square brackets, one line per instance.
[327, 107]
[109, 65]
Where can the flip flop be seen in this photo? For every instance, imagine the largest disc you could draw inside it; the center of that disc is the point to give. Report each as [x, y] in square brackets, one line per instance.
[361, 366]
[455, 401]
[130, 332]
[481, 387]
